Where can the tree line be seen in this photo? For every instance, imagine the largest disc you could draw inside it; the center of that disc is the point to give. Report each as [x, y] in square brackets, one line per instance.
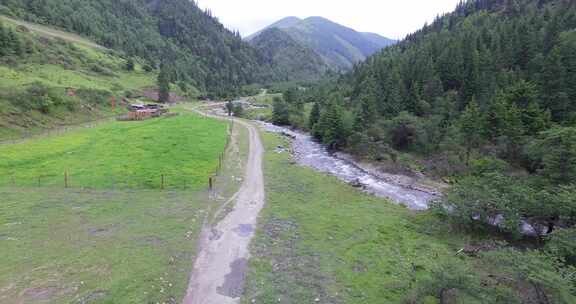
[201, 52]
[485, 98]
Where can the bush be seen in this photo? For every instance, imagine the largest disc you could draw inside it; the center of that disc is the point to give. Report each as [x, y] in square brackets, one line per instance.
[405, 132]
[487, 165]
[555, 152]
[477, 201]
[562, 243]
[94, 96]
[550, 279]
[453, 281]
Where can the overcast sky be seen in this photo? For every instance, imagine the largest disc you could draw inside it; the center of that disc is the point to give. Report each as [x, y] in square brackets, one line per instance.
[391, 18]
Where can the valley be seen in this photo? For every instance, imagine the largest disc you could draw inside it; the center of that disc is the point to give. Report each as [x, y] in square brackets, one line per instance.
[150, 152]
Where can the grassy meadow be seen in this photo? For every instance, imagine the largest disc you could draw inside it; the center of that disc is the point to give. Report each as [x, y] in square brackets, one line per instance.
[185, 149]
[322, 241]
[113, 237]
[99, 246]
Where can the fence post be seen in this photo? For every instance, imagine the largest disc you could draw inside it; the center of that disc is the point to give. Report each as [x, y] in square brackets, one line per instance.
[66, 179]
[39, 181]
[210, 183]
[162, 184]
[220, 163]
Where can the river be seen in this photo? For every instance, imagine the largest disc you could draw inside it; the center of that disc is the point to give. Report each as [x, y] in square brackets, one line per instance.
[309, 153]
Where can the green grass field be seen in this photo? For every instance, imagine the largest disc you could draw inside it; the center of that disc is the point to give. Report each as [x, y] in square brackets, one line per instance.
[107, 244]
[79, 246]
[185, 149]
[322, 241]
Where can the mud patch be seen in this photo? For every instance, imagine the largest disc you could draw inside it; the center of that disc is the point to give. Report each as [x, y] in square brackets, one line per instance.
[215, 235]
[244, 230]
[92, 297]
[234, 281]
[152, 240]
[40, 294]
[102, 231]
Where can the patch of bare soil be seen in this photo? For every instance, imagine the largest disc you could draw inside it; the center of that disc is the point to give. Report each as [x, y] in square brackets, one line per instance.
[43, 294]
[92, 297]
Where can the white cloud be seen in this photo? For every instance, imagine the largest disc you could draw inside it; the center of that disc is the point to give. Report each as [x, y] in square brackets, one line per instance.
[391, 18]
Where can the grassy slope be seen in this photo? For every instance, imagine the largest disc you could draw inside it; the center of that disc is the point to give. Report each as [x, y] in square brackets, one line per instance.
[51, 32]
[321, 239]
[121, 154]
[62, 60]
[264, 114]
[71, 246]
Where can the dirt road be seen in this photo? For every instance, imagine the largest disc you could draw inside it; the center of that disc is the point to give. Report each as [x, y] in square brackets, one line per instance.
[219, 272]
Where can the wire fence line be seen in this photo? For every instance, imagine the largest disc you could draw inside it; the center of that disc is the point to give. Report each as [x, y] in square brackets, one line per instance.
[121, 180]
[68, 179]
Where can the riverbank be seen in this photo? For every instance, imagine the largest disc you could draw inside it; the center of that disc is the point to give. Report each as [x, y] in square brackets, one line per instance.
[319, 240]
[401, 189]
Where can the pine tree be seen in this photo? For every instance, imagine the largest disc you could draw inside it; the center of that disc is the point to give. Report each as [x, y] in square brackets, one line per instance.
[314, 116]
[163, 84]
[331, 125]
[280, 112]
[130, 65]
[553, 85]
[3, 40]
[471, 125]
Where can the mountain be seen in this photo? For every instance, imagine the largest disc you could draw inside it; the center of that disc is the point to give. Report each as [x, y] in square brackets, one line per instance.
[379, 40]
[200, 50]
[502, 58]
[340, 47]
[287, 56]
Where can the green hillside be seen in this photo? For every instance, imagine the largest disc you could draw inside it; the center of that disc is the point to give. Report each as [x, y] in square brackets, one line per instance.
[290, 59]
[483, 96]
[199, 50]
[482, 99]
[38, 66]
[339, 47]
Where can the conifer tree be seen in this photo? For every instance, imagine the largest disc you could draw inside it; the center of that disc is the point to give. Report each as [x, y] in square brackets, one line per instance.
[471, 125]
[314, 115]
[163, 84]
[280, 112]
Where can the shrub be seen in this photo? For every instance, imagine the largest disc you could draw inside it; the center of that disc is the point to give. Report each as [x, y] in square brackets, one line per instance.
[94, 96]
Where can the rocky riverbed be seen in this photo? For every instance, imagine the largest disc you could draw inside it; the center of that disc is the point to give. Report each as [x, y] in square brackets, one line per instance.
[399, 189]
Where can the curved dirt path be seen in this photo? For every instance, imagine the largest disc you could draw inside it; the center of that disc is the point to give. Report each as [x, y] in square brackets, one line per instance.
[220, 269]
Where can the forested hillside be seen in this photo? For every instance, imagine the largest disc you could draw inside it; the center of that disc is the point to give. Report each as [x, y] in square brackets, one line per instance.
[289, 58]
[200, 51]
[484, 99]
[486, 90]
[340, 47]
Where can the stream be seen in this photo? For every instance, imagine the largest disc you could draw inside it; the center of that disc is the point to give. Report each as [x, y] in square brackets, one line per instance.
[309, 153]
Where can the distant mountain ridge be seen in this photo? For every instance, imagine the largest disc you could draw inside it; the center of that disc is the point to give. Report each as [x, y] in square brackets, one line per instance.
[288, 57]
[340, 47]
